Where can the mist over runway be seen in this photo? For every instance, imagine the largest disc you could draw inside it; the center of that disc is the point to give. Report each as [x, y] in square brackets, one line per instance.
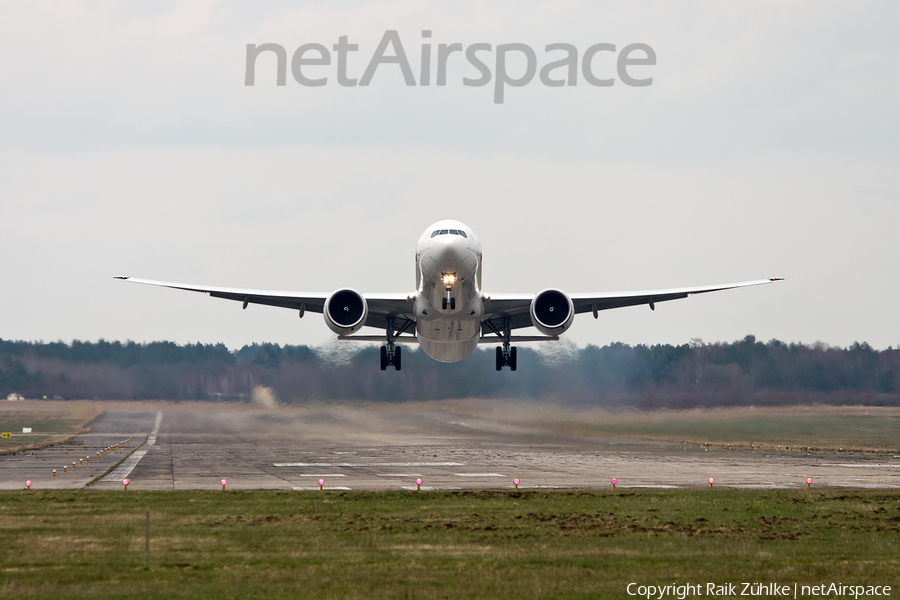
[449, 445]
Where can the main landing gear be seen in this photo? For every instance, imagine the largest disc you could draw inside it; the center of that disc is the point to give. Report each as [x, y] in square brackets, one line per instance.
[506, 357]
[506, 354]
[390, 356]
[390, 352]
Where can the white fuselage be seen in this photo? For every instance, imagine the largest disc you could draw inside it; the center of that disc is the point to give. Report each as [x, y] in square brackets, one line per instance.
[449, 304]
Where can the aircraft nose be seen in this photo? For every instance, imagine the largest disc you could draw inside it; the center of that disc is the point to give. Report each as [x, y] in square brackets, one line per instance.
[452, 258]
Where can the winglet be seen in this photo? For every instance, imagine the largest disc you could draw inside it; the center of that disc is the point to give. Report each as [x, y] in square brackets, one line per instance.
[770, 278]
[122, 277]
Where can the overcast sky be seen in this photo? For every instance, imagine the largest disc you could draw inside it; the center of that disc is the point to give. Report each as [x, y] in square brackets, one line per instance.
[767, 145]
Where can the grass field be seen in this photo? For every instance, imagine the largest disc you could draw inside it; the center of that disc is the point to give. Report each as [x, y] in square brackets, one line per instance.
[52, 421]
[485, 544]
[829, 428]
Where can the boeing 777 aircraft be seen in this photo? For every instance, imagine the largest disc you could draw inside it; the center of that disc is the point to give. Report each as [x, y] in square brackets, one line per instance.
[449, 314]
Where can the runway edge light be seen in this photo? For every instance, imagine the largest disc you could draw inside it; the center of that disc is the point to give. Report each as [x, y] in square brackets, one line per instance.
[418, 483]
[711, 481]
[516, 482]
[808, 482]
[321, 483]
[125, 482]
[28, 485]
[224, 482]
[614, 481]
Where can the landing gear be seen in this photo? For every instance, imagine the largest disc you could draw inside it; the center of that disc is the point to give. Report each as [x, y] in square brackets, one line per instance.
[506, 357]
[390, 353]
[390, 357]
[506, 354]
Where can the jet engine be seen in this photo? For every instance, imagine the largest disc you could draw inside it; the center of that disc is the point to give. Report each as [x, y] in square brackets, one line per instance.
[552, 312]
[345, 311]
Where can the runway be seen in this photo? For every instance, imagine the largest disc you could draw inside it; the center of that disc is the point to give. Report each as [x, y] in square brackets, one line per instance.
[389, 446]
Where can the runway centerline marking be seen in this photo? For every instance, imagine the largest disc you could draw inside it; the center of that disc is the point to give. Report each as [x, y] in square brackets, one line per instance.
[128, 465]
[479, 474]
[322, 475]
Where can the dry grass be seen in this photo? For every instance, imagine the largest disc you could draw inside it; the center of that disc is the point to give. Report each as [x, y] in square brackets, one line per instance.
[854, 428]
[51, 422]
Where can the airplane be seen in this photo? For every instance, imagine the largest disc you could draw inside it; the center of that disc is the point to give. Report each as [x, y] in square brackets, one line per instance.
[449, 313]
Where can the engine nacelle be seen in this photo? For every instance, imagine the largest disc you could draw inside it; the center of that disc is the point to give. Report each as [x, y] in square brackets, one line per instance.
[552, 312]
[345, 311]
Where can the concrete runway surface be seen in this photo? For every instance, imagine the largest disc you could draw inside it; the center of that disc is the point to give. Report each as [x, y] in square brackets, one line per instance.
[389, 446]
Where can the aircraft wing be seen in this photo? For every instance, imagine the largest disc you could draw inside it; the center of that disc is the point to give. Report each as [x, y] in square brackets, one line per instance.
[380, 305]
[516, 306]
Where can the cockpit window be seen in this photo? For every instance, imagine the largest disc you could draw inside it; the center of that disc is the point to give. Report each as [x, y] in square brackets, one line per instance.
[449, 231]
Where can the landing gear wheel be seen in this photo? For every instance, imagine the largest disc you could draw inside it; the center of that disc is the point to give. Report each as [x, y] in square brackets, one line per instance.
[384, 360]
[397, 358]
[512, 358]
[499, 358]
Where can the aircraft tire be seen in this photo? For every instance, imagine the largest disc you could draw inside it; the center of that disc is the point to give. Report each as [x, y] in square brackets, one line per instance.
[383, 358]
[499, 358]
[397, 358]
[512, 358]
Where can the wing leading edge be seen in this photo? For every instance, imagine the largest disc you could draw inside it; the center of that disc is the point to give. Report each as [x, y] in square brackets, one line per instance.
[380, 305]
[516, 306]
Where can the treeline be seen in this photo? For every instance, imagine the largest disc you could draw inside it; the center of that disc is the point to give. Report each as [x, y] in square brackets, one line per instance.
[695, 374]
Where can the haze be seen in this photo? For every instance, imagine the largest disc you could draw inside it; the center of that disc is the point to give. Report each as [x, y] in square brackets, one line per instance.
[766, 146]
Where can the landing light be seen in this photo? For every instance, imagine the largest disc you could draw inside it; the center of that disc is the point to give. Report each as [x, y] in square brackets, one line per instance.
[449, 279]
